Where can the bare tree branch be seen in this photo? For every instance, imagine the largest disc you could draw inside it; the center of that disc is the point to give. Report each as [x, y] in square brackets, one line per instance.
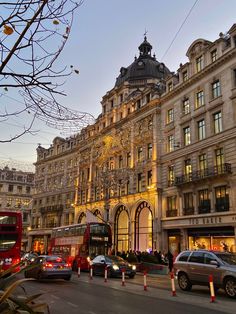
[33, 35]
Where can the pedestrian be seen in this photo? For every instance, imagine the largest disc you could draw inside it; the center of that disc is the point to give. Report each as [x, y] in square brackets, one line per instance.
[170, 259]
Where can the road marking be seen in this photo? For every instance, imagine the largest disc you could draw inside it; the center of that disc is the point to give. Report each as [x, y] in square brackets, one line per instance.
[72, 304]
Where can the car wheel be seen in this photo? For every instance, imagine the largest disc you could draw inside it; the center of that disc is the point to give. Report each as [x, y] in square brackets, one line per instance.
[68, 278]
[184, 282]
[230, 287]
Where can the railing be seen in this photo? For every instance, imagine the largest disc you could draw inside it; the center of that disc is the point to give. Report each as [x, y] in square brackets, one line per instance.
[222, 205]
[188, 211]
[202, 174]
[204, 208]
[171, 213]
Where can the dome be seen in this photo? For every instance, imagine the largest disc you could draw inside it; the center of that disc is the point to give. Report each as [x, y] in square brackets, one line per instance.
[144, 67]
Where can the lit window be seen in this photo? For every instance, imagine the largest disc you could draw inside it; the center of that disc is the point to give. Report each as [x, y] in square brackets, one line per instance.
[140, 154]
[170, 87]
[219, 159]
[128, 159]
[188, 169]
[202, 163]
[199, 99]
[171, 175]
[216, 92]
[149, 178]
[217, 118]
[201, 129]
[139, 182]
[170, 143]
[199, 63]
[186, 106]
[170, 115]
[149, 151]
[187, 139]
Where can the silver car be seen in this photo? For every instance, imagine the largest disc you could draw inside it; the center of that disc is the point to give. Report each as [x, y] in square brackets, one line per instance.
[194, 268]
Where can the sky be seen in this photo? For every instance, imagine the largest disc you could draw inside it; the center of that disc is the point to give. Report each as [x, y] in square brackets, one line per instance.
[105, 36]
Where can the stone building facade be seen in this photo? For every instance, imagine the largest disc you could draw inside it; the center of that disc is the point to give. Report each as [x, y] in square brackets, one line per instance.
[16, 190]
[159, 162]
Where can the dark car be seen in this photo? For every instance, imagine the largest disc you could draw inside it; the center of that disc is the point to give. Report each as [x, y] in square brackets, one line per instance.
[29, 257]
[49, 266]
[194, 268]
[114, 264]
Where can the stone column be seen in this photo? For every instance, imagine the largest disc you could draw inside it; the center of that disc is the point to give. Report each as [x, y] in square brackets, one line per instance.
[183, 239]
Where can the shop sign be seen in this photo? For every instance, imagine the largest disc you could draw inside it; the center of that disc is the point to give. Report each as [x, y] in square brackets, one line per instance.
[211, 220]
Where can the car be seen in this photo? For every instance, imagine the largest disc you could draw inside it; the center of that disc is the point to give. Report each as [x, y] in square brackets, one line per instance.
[50, 267]
[193, 267]
[114, 265]
[29, 257]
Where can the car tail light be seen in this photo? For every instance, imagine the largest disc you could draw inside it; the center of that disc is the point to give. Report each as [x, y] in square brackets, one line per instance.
[48, 265]
[68, 265]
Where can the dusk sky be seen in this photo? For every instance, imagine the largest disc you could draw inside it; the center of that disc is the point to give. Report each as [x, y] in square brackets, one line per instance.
[105, 36]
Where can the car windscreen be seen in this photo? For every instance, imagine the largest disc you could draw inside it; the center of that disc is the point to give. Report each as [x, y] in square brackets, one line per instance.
[7, 241]
[227, 258]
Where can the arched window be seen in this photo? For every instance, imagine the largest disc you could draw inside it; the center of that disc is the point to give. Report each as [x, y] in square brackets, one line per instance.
[121, 234]
[143, 227]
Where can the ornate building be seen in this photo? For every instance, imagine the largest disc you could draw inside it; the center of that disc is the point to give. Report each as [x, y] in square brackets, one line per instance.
[159, 162]
[16, 190]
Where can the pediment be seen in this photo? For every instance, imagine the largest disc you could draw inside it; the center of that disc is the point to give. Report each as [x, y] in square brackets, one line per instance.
[198, 46]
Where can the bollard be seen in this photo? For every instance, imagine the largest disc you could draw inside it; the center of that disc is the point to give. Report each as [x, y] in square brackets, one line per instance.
[105, 275]
[123, 277]
[78, 269]
[91, 272]
[212, 291]
[172, 284]
[145, 280]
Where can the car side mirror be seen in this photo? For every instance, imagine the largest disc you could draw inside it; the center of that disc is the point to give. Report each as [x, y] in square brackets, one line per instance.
[214, 263]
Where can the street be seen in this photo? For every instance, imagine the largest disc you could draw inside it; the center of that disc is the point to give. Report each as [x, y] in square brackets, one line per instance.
[83, 295]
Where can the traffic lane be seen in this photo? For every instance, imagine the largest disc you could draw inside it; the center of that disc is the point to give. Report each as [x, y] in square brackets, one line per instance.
[90, 297]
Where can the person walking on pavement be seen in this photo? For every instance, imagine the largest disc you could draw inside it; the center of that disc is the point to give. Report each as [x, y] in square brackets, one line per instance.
[170, 259]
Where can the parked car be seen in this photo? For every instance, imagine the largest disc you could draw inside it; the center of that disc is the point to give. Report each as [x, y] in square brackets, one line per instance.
[49, 266]
[114, 264]
[194, 268]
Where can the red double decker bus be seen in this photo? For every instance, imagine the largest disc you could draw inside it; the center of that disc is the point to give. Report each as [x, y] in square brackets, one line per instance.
[10, 238]
[80, 242]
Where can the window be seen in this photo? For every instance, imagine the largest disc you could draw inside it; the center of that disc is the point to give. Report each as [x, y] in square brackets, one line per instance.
[170, 116]
[149, 178]
[202, 164]
[96, 193]
[127, 187]
[199, 63]
[197, 257]
[119, 187]
[148, 98]
[217, 119]
[185, 76]
[219, 159]
[216, 92]
[201, 129]
[186, 106]
[188, 203]
[234, 77]
[199, 99]
[204, 201]
[10, 188]
[184, 257]
[112, 103]
[121, 98]
[139, 183]
[140, 154]
[19, 189]
[104, 111]
[138, 104]
[171, 206]
[128, 159]
[171, 175]
[188, 169]
[149, 151]
[222, 198]
[170, 143]
[170, 87]
[213, 55]
[187, 139]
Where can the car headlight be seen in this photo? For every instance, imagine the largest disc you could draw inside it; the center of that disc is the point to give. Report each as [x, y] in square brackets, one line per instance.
[133, 267]
[115, 267]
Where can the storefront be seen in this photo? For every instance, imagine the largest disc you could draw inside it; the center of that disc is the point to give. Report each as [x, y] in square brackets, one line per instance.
[215, 232]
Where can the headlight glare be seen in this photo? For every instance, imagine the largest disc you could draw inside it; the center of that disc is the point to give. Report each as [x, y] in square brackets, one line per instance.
[115, 267]
[133, 267]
